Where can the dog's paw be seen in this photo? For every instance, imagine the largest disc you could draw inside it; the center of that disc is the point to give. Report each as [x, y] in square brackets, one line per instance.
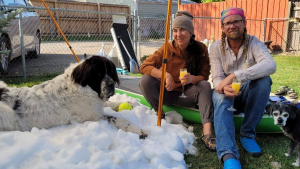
[143, 134]
[112, 105]
[287, 154]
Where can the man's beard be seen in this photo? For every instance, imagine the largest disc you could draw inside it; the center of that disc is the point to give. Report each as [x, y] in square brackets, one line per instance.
[238, 36]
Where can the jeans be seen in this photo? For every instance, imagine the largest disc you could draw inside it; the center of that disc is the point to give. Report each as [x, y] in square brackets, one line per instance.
[252, 101]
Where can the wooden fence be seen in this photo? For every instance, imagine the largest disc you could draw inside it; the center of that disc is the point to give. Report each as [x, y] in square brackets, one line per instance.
[76, 22]
[255, 11]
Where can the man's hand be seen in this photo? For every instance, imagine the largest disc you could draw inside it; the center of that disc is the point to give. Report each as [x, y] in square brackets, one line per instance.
[188, 78]
[228, 91]
[227, 81]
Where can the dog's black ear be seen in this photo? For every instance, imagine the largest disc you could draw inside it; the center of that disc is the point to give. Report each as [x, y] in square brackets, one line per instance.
[268, 109]
[293, 110]
[114, 73]
[81, 73]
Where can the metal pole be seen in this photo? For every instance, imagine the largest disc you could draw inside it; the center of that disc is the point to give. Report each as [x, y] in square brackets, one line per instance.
[171, 33]
[51, 29]
[22, 45]
[62, 34]
[135, 31]
[264, 29]
[139, 36]
[298, 40]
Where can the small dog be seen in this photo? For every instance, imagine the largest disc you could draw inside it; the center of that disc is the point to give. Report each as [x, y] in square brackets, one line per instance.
[287, 116]
[78, 94]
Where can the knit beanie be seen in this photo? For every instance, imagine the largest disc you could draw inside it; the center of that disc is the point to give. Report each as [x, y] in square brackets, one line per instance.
[232, 11]
[183, 19]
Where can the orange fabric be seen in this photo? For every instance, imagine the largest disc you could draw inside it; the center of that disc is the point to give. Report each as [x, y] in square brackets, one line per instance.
[175, 61]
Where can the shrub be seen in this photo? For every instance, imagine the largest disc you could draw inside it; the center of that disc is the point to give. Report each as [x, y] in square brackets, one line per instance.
[143, 58]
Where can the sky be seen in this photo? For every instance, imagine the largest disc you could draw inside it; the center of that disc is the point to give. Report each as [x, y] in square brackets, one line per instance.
[99, 145]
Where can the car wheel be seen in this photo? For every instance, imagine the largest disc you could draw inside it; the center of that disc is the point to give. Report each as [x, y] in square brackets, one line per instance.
[37, 50]
[4, 58]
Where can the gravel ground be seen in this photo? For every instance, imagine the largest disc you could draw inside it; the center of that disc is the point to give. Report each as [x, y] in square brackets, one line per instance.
[56, 56]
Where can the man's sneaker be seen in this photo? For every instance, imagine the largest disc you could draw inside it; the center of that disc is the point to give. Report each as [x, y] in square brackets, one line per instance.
[232, 164]
[250, 145]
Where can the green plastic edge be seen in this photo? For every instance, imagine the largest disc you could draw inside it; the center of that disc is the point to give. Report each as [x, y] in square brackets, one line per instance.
[266, 124]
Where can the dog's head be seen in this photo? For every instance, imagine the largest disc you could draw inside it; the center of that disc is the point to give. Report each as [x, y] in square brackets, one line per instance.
[99, 73]
[282, 112]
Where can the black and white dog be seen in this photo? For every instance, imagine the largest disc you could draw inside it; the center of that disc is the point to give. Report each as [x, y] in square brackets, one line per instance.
[287, 116]
[78, 94]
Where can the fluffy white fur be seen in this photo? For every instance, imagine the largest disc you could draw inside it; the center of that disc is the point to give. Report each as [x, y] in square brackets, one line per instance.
[61, 100]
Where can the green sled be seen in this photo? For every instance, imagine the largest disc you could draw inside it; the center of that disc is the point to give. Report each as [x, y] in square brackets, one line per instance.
[266, 124]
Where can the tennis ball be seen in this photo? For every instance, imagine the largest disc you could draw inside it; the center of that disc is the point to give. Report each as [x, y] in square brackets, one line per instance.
[125, 106]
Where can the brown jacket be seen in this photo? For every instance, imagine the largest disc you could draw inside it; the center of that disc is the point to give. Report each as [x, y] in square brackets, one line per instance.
[175, 61]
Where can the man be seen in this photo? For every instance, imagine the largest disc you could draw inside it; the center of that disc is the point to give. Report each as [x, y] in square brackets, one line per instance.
[241, 56]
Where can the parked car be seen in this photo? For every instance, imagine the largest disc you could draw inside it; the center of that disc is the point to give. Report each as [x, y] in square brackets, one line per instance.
[10, 40]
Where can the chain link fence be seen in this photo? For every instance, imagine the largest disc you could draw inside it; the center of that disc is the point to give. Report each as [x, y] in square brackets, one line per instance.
[292, 35]
[151, 35]
[275, 32]
[89, 33]
[281, 35]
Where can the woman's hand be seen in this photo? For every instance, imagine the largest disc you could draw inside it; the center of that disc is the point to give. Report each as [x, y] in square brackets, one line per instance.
[170, 84]
[188, 78]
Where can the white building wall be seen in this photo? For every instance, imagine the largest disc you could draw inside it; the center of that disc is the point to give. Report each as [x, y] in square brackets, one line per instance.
[130, 3]
[149, 9]
[145, 8]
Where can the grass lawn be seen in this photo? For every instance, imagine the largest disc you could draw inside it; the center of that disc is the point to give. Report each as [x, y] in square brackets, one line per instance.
[273, 145]
[28, 81]
[287, 73]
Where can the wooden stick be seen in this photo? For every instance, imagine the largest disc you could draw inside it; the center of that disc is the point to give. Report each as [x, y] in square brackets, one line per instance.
[63, 35]
[164, 65]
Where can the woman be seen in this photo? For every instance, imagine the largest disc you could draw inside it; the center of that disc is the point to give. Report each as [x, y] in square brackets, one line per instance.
[183, 52]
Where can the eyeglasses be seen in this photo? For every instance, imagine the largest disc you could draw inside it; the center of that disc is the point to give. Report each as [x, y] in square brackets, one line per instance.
[234, 23]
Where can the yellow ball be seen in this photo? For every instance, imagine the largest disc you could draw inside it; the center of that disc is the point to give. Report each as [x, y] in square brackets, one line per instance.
[125, 106]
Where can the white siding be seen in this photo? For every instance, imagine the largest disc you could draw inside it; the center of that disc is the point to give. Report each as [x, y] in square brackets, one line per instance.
[154, 9]
[146, 8]
[130, 3]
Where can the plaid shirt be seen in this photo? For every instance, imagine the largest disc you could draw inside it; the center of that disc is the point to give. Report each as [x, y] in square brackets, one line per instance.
[259, 62]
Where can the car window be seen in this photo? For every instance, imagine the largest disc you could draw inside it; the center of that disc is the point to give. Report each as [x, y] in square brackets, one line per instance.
[22, 2]
[7, 2]
[13, 3]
